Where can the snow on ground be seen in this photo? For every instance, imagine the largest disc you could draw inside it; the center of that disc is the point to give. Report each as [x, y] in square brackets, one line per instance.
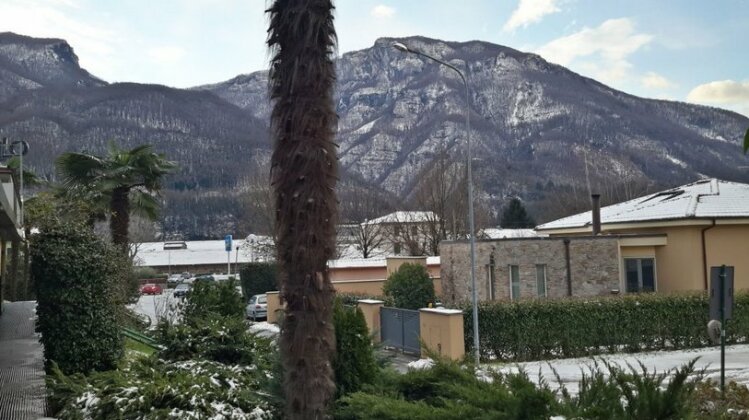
[571, 370]
[421, 364]
[164, 305]
[265, 329]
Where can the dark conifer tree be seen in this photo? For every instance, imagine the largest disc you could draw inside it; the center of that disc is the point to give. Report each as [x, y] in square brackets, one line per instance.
[514, 216]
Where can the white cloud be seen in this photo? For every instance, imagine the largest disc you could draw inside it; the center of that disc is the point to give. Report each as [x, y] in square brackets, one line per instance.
[95, 44]
[382, 12]
[166, 54]
[530, 11]
[721, 92]
[605, 49]
[654, 80]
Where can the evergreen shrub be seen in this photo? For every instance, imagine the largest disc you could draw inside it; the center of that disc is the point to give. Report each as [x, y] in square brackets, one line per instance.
[212, 299]
[548, 329]
[354, 362]
[410, 287]
[75, 275]
[258, 278]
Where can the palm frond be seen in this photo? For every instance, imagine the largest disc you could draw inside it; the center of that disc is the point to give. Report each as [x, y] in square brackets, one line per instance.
[144, 204]
[78, 168]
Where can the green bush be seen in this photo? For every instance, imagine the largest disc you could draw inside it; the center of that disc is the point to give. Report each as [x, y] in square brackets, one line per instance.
[450, 391]
[258, 278]
[141, 273]
[223, 340]
[410, 287]
[212, 299]
[75, 275]
[547, 329]
[354, 362]
[151, 388]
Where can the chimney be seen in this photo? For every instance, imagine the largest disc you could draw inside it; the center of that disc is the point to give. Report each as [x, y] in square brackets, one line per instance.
[596, 198]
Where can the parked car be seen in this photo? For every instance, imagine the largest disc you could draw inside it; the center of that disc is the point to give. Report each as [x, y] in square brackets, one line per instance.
[186, 275]
[174, 280]
[204, 277]
[151, 289]
[257, 307]
[181, 290]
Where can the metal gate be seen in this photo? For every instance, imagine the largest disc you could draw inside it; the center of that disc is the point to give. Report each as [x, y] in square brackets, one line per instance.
[400, 329]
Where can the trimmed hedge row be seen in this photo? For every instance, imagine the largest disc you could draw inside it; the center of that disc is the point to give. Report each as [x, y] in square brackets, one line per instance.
[76, 276]
[548, 329]
[258, 278]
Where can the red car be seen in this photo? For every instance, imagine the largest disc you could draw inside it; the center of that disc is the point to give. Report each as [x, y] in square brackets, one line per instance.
[150, 289]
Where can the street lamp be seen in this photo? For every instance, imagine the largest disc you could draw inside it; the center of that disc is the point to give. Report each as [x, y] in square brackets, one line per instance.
[402, 47]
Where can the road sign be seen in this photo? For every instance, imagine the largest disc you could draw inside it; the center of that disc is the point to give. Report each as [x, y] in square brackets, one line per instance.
[227, 242]
[715, 294]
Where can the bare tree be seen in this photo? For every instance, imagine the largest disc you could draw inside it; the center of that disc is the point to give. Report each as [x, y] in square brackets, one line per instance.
[359, 206]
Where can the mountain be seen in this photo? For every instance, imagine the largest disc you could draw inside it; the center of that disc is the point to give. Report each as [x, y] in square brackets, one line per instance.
[539, 131]
[537, 128]
[49, 101]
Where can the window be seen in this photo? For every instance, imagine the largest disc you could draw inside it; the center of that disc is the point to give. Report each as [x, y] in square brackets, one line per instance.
[396, 248]
[541, 280]
[514, 282]
[414, 230]
[396, 230]
[640, 275]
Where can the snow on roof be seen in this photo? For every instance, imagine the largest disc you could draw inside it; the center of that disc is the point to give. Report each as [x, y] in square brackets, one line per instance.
[499, 233]
[405, 217]
[371, 262]
[196, 253]
[708, 198]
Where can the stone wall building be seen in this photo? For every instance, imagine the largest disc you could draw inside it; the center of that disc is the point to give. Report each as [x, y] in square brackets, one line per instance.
[509, 269]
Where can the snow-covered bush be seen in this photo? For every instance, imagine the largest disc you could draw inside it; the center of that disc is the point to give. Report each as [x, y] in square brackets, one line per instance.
[151, 388]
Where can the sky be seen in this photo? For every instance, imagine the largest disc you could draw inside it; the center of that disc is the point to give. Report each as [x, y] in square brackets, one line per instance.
[688, 50]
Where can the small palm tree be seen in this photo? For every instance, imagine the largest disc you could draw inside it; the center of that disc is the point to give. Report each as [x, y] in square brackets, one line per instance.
[129, 180]
[303, 174]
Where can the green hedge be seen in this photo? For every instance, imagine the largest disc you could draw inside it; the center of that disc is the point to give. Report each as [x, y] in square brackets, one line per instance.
[258, 278]
[75, 275]
[547, 329]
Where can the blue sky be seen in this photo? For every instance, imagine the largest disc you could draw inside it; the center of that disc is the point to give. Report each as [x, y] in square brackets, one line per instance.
[689, 50]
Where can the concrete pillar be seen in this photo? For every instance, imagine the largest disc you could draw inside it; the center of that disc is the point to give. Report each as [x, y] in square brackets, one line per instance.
[274, 306]
[442, 331]
[371, 310]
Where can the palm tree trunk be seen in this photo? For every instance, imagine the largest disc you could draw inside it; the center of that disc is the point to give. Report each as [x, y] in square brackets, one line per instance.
[120, 219]
[303, 172]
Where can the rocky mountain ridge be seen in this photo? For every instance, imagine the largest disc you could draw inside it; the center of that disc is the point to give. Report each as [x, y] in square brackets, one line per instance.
[539, 130]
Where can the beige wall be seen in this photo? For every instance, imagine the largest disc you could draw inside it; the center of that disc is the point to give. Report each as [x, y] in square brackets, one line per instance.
[729, 245]
[369, 280]
[679, 264]
[374, 287]
[441, 331]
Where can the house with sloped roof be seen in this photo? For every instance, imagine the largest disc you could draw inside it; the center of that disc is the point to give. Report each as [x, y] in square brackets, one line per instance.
[406, 232]
[702, 224]
[662, 242]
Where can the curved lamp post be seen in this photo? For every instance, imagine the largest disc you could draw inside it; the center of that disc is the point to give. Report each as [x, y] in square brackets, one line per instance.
[402, 47]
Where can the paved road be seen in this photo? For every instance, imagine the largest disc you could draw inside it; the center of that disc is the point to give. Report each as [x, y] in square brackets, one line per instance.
[571, 370]
[21, 364]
